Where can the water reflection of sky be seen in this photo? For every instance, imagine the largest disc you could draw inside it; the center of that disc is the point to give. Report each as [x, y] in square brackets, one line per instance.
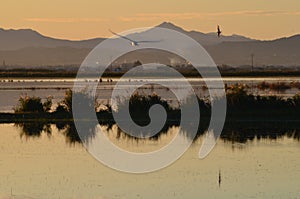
[46, 167]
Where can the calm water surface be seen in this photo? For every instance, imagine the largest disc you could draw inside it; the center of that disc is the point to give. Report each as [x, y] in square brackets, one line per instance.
[50, 166]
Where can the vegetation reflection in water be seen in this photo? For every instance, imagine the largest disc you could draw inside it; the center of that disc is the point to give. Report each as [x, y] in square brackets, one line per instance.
[248, 117]
[237, 132]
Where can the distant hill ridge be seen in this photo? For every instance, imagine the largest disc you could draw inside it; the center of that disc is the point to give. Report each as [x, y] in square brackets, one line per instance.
[28, 47]
[23, 38]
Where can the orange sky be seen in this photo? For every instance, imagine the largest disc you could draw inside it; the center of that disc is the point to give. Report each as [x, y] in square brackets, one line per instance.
[77, 19]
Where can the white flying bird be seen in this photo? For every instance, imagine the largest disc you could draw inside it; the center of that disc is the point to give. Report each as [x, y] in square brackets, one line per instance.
[133, 42]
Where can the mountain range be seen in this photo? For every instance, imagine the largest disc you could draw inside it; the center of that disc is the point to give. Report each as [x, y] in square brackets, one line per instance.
[26, 47]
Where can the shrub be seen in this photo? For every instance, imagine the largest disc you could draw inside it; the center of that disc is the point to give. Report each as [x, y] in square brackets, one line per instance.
[66, 103]
[139, 106]
[237, 96]
[83, 100]
[33, 105]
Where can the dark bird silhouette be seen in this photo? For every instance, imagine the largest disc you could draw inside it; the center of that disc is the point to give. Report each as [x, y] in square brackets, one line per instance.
[133, 42]
[220, 180]
[219, 31]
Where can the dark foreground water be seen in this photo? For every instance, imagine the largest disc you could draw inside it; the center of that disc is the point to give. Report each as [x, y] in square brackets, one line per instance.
[50, 164]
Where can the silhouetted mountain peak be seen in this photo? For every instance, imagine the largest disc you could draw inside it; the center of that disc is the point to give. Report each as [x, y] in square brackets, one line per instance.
[171, 26]
[205, 38]
[29, 47]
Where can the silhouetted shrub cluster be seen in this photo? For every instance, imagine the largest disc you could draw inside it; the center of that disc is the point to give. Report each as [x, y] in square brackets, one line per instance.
[139, 106]
[238, 100]
[28, 104]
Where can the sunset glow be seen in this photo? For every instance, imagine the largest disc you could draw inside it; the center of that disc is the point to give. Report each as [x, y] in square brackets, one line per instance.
[86, 19]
